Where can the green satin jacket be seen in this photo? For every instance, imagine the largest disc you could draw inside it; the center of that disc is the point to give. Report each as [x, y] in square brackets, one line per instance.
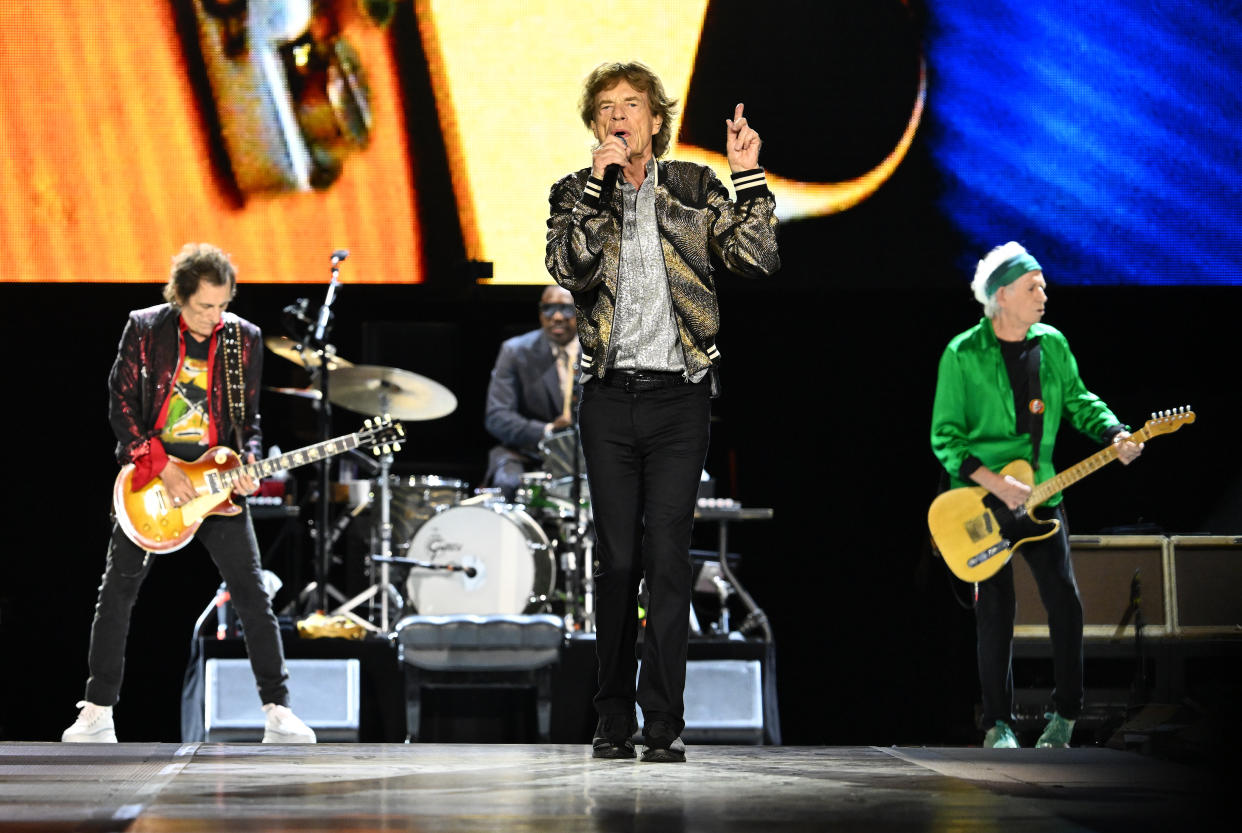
[973, 413]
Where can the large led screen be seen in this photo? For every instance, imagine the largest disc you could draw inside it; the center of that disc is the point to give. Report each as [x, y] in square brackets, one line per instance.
[1103, 136]
[414, 133]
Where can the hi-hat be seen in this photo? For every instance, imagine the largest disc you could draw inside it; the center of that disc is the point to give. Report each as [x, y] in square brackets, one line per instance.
[292, 350]
[373, 389]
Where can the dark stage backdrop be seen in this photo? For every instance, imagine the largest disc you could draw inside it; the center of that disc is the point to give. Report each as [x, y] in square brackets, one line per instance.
[827, 394]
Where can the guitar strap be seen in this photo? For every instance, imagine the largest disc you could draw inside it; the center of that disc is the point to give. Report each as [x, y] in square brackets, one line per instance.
[1036, 402]
[234, 385]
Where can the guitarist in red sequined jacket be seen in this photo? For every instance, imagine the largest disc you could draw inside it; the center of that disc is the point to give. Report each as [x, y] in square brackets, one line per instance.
[141, 384]
[169, 399]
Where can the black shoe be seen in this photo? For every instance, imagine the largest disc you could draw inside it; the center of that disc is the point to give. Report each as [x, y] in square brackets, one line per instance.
[663, 745]
[614, 737]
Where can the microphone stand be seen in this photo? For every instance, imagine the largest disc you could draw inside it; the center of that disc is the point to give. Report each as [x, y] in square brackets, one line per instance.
[315, 342]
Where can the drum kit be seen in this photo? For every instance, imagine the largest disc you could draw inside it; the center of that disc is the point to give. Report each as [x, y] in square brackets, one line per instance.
[465, 553]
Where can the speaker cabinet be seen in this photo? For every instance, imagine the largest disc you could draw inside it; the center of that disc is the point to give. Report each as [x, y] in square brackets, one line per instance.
[724, 701]
[1104, 566]
[323, 692]
[1207, 584]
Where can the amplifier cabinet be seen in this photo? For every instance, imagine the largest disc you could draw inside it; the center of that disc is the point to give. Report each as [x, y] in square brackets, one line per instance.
[325, 693]
[1207, 584]
[1105, 566]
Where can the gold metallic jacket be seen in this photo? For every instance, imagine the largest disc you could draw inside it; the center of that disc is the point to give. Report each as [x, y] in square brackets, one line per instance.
[695, 218]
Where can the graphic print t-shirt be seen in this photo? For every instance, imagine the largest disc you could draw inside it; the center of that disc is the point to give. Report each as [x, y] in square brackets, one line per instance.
[185, 430]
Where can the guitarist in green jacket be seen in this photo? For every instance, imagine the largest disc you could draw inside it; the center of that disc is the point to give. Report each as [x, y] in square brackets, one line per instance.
[1002, 390]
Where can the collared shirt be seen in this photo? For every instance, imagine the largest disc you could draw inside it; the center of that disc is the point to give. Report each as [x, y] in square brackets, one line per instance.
[644, 335]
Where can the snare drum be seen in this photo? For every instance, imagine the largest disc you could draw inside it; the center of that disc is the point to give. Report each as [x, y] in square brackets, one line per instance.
[515, 570]
[417, 498]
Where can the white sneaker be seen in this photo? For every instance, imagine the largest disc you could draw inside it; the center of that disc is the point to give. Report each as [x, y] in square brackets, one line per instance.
[283, 726]
[94, 725]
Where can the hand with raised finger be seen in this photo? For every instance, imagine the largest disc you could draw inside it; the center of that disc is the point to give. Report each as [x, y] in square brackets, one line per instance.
[742, 143]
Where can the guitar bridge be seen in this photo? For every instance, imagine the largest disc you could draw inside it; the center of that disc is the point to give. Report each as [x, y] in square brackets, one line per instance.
[990, 552]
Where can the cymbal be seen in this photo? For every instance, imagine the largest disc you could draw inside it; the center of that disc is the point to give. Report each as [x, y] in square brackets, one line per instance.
[289, 349]
[374, 389]
[301, 393]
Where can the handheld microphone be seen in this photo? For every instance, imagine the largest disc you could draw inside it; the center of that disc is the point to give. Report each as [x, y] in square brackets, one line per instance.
[610, 178]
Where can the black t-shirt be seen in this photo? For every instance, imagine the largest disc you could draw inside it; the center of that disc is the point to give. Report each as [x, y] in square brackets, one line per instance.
[185, 429]
[1016, 354]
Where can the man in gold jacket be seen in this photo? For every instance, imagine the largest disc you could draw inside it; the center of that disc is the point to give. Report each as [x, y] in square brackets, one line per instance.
[633, 239]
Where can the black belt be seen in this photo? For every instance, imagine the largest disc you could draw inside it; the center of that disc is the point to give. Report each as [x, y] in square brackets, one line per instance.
[633, 381]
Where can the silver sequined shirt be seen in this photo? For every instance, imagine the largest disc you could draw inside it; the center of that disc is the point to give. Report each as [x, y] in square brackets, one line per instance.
[644, 335]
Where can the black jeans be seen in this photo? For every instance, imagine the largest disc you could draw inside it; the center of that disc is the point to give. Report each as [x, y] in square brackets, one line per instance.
[1050, 565]
[233, 548]
[644, 454]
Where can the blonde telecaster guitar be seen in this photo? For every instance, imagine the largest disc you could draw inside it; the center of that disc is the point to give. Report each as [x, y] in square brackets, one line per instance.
[977, 534]
[149, 518]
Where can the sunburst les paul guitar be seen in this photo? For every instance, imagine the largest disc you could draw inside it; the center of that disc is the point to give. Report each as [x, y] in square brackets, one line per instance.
[977, 533]
[147, 514]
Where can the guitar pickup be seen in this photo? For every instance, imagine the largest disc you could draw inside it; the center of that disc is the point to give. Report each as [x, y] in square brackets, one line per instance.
[990, 552]
[979, 527]
[212, 479]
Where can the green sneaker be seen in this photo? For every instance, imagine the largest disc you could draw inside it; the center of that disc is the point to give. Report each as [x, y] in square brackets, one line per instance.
[1056, 734]
[1000, 736]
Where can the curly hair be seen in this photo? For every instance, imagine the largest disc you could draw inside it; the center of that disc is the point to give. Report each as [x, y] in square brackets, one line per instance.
[195, 263]
[641, 78]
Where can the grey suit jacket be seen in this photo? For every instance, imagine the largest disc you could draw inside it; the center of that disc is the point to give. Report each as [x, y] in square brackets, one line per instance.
[523, 396]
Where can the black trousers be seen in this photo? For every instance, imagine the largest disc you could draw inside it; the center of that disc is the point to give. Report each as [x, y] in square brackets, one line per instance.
[644, 454]
[1050, 565]
[233, 548]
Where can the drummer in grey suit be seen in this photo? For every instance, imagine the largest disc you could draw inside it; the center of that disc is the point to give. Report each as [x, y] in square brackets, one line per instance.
[530, 393]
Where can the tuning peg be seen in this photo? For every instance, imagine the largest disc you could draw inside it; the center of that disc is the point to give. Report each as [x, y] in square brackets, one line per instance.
[396, 447]
[367, 423]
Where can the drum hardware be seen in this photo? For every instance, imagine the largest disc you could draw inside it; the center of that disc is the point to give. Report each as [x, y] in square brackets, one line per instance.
[298, 353]
[470, 572]
[381, 586]
[314, 352]
[563, 462]
[406, 396]
[419, 497]
[301, 393]
[711, 580]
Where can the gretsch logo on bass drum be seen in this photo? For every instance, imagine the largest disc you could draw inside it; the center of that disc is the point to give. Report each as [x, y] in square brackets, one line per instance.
[437, 545]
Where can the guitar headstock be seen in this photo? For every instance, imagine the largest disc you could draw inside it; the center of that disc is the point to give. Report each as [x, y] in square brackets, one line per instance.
[1166, 422]
[382, 434]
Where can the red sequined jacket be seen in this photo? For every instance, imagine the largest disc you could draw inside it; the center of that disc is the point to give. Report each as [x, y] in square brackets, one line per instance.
[141, 381]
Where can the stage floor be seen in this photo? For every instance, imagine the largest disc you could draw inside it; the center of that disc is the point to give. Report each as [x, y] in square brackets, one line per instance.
[457, 787]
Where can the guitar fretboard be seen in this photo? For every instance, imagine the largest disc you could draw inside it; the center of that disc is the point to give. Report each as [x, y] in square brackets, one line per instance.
[293, 459]
[1077, 472]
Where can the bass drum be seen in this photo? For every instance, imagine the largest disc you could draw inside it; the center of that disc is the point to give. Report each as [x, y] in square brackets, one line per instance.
[515, 570]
